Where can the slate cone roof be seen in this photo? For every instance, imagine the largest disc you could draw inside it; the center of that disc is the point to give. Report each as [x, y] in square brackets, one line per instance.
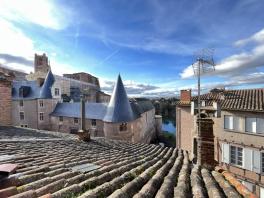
[46, 168]
[119, 108]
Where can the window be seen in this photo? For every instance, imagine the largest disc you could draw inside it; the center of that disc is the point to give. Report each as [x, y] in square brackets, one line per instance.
[228, 122]
[123, 127]
[251, 125]
[260, 125]
[22, 115]
[203, 103]
[21, 103]
[93, 122]
[41, 116]
[41, 104]
[262, 162]
[61, 119]
[57, 91]
[76, 120]
[236, 155]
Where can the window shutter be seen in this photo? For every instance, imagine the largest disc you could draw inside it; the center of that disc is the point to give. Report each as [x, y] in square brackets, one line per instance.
[251, 125]
[261, 192]
[260, 125]
[225, 153]
[256, 161]
[226, 122]
[231, 122]
[247, 159]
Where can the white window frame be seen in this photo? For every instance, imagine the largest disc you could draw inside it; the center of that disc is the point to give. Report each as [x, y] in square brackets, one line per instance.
[93, 123]
[76, 119]
[236, 156]
[41, 115]
[20, 115]
[56, 91]
[254, 127]
[21, 103]
[231, 120]
[258, 130]
[41, 103]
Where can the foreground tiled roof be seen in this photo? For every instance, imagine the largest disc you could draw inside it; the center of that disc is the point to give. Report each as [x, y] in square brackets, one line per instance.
[245, 99]
[47, 166]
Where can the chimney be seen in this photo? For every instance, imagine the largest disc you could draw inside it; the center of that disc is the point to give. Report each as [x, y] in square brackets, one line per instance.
[186, 95]
[5, 99]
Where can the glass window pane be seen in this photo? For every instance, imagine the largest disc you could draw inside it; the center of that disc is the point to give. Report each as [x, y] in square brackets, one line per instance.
[260, 125]
[251, 125]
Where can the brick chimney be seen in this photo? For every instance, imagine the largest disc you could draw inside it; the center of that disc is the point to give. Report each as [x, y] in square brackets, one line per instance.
[186, 95]
[205, 150]
[5, 99]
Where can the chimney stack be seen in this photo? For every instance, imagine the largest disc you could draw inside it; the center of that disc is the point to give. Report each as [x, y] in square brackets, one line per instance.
[186, 95]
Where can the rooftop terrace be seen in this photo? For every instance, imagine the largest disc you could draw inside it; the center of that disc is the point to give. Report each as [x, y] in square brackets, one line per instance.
[58, 165]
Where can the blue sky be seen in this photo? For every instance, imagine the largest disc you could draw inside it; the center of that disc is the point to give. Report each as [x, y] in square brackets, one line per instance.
[149, 42]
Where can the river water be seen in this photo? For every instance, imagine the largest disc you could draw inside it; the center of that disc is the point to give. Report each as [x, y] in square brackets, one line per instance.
[169, 125]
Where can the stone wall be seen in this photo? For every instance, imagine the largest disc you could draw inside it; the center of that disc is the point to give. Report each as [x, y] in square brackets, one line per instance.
[5, 102]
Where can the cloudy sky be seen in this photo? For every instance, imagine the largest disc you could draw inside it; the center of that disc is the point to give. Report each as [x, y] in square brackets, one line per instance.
[151, 43]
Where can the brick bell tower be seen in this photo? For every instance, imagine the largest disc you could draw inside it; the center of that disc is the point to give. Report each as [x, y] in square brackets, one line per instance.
[41, 63]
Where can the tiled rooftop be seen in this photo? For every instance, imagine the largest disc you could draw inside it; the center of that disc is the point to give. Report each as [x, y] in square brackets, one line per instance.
[50, 166]
[244, 99]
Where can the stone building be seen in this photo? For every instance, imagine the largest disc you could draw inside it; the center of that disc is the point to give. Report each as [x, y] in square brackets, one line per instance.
[32, 102]
[235, 138]
[5, 99]
[132, 120]
[69, 86]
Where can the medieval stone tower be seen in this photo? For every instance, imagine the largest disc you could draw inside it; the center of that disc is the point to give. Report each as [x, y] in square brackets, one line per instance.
[41, 63]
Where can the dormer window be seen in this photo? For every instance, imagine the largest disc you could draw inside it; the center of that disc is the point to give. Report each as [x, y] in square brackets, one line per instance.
[24, 91]
[123, 127]
[203, 103]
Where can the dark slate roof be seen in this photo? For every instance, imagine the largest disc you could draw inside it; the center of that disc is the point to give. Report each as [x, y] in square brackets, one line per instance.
[45, 91]
[92, 110]
[50, 167]
[32, 90]
[96, 110]
[243, 100]
[119, 108]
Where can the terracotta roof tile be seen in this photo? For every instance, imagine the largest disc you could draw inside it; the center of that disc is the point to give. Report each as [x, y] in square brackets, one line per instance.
[126, 170]
[245, 99]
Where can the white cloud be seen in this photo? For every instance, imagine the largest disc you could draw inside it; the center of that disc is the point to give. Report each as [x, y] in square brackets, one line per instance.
[41, 12]
[238, 63]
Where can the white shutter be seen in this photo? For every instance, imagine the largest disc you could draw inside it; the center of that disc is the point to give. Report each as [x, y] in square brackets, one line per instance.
[247, 159]
[226, 122]
[225, 153]
[261, 192]
[231, 122]
[256, 161]
[260, 125]
[251, 125]
[237, 123]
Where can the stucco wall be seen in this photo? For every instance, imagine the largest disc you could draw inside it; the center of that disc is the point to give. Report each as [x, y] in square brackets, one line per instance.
[68, 123]
[31, 109]
[185, 128]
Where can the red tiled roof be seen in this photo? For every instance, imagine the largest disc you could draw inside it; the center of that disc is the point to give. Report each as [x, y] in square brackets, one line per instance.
[46, 168]
[244, 100]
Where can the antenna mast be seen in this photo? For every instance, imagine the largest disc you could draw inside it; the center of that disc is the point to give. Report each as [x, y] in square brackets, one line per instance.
[203, 63]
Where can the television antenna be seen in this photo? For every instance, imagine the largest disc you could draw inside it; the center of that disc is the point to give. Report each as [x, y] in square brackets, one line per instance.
[203, 63]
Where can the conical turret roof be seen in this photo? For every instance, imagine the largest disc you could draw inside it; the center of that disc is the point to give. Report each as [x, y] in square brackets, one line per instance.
[119, 108]
[45, 91]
